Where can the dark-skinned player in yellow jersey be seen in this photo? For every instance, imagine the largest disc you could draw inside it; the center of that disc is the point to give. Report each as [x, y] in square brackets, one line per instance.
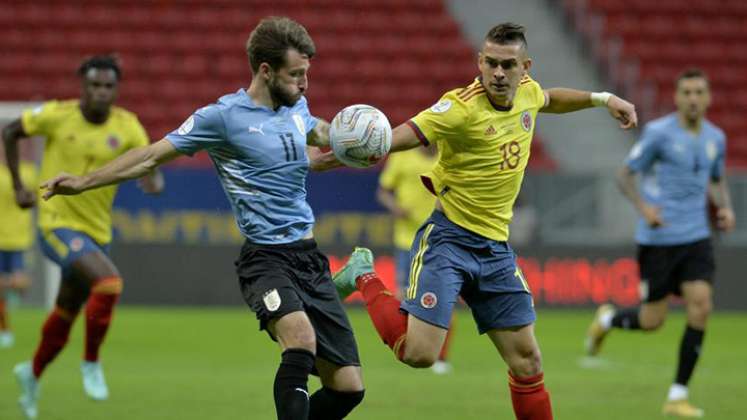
[483, 133]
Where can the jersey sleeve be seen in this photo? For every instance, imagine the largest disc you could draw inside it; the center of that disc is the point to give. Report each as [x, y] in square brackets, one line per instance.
[389, 177]
[443, 120]
[37, 121]
[536, 93]
[717, 168]
[202, 130]
[645, 151]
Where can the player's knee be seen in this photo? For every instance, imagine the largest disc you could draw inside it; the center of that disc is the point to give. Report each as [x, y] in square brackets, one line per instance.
[418, 358]
[527, 362]
[652, 321]
[108, 286]
[699, 310]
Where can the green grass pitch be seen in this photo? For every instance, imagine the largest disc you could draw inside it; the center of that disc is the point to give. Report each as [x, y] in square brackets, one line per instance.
[213, 364]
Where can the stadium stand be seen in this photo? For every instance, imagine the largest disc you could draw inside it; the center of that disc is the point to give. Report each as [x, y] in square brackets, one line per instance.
[178, 56]
[645, 44]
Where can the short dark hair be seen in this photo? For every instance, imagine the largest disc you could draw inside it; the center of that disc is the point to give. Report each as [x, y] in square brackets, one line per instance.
[273, 37]
[691, 73]
[507, 33]
[101, 62]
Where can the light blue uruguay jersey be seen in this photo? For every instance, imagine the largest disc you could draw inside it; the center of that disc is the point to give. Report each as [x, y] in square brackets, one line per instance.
[260, 156]
[677, 167]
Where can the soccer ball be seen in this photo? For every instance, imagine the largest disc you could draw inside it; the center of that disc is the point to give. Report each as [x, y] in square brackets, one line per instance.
[360, 135]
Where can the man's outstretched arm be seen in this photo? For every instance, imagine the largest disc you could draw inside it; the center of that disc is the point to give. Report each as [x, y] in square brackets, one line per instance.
[133, 164]
[562, 100]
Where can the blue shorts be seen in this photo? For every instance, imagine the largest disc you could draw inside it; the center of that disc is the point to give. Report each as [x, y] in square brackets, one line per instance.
[448, 260]
[64, 246]
[402, 259]
[11, 262]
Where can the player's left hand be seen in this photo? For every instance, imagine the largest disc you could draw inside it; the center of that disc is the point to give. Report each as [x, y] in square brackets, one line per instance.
[725, 219]
[623, 111]
[62, 184]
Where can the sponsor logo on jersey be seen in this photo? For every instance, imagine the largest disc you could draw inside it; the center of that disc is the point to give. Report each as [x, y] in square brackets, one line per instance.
[76, 244]
[490, 131]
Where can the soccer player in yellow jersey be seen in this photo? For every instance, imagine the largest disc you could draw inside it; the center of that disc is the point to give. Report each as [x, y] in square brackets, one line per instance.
[81, 136]
[401, 192]
[16, 237]
[483, 132]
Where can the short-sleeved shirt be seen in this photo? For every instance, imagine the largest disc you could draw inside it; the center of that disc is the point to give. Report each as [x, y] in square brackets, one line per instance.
[402, 175]
[676, 168]
[483, 152]
[260, 156]
[77, 146]
[16, 230]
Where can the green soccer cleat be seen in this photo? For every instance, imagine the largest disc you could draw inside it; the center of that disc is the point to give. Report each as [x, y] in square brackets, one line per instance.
[360, 262]
[93, 381]
[29, 389]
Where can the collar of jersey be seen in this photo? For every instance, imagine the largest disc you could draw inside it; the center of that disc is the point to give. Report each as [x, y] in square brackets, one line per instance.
[249, 102]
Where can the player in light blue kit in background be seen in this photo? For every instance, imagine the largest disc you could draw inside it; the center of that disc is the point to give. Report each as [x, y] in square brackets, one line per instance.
[681, 161]
[257, 139]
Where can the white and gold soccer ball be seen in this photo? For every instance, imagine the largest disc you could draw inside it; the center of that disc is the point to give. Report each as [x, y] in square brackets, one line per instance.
[360, 135]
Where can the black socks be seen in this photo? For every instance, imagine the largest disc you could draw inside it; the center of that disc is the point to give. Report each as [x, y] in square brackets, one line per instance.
[689, 352]
[627, 319]
[291, 393]
[327, 404]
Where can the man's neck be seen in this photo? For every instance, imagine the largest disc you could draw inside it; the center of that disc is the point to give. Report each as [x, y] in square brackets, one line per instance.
[94, 117]
[690, 125]
[260, 94]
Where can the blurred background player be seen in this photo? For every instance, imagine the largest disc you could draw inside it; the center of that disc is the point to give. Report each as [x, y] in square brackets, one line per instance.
[680, 158]
[81, 136]
[16, 238]
[402, 193]
[483, 132]
[258, 139]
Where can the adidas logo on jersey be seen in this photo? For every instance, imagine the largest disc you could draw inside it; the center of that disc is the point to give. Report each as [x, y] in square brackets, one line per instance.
[490, 131]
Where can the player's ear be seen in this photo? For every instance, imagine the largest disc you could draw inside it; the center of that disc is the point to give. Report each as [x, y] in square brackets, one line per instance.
[265, 71]
[527, 64]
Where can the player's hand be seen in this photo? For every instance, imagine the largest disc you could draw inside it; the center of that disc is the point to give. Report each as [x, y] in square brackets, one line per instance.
[25, 199]
[725, 220]
[623, 111]
[652, 216]
[152, 183]
[62, 184]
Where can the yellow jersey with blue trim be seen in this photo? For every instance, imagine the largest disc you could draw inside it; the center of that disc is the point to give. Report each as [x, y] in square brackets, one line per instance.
[77, 146]
[16, 228]
[483, 152]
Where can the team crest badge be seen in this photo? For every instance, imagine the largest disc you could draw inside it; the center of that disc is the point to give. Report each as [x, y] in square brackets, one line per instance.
[428, 300]
[271, 300]
[76, 244]
[299, 124]
[526, 121]
[113, 141]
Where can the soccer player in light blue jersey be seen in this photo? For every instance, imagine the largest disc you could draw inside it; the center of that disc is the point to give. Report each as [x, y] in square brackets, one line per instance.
[680, 159]
[258, 139]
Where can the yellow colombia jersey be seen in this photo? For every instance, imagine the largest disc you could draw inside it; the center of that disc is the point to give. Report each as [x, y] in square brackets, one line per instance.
[402, 175]
[483, 152]
[77, 146]
[16, 230]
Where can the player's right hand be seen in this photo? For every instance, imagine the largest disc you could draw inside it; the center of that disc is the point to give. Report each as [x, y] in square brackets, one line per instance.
[25, 198]
[62, 184]
[652, 216]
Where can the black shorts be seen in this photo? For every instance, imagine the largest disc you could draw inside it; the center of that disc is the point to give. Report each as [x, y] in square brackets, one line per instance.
[276, 280]
[664, 268]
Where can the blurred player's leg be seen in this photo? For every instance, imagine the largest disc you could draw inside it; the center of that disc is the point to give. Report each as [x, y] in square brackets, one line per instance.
[698, 299]
[105, 285]
[442, 365]
[297, 340]
[520, 351]
[647, 317]
[6, 336]
[342, 390]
